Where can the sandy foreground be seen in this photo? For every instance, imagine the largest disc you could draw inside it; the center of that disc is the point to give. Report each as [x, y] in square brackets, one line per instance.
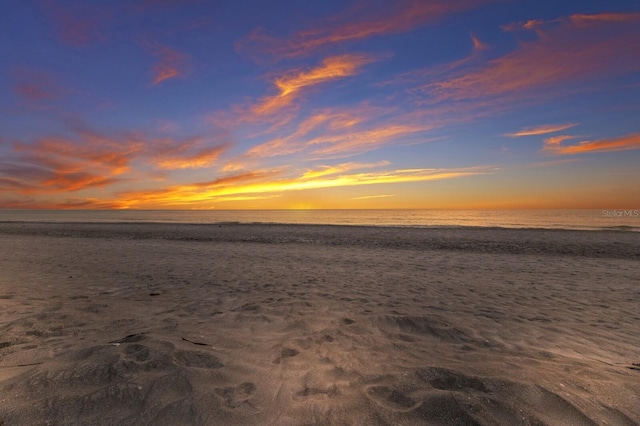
[286, 325]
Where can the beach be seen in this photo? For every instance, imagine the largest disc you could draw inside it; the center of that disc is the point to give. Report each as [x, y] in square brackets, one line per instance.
[257, 324]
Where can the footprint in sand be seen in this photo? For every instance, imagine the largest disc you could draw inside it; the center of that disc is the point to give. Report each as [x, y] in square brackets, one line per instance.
[286, 353]
[390, 398]
[449, 380]
[238, 396]
[137, 352]
[446, 409]
[307, 392]
[131, 338]
[197, 359]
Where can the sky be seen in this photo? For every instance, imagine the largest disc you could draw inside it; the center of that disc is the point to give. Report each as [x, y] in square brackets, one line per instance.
[289, 104]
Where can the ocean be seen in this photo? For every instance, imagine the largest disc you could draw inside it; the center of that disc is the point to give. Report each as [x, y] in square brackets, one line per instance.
[620, 220]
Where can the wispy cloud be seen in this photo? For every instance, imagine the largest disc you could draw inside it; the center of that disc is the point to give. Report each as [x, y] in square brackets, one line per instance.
[368, 197]
[195, 192]
[588, 19]
[326, 121]
[541, 130]
[204, 158]
[340, 168]
[578, 19]
[89, 159]
[478, 45]
[557, 140]
[80, 26]
[171, 63]
[277, 112]
[365, 140]
[69, 204]
[246, 198]
[35, 91]
[331, 133]
[356, 24]
[263, 183]
[36, 85]
[55, 164]
[622, 143]
[567, 51]
[290, 85]
[181, 153]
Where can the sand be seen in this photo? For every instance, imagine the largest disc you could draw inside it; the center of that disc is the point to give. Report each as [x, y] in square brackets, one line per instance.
[235, 324]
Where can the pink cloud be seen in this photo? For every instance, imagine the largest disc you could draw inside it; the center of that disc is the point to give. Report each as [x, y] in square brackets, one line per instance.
[579, 48]
[79, 26]
[357, 24]
[171, 63]
[36, 85]
[622, 143]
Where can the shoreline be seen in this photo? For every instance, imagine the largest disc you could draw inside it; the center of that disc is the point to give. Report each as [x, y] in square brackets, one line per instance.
[585, 228]
[587, 243]
[569, 219]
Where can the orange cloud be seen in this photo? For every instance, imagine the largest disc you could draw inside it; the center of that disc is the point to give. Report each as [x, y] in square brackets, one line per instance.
[236, 164]
[178, 159]
[295, 141]
[92, 160]
[246, 198]
[557, 140]
[71, 204]
[365, 140]
[622, 143]
[340, 168]
[290, 85]
[541, 130]
[586, 19]
[276, 112]
[532, 24]
[579, 19]
[40, 176]
[70, 182]
[93, 148]
[171, 63]
[566, 51]
[357, 24]
[332, 68]
[343, 132]
[52, 164]
[185, 194]
[189, 153]
[369, 197]
[264, 183]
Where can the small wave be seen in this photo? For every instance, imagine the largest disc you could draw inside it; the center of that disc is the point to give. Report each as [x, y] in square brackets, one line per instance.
[624, 228]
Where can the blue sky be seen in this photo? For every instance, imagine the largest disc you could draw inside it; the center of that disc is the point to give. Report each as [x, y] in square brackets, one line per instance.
[365, 104]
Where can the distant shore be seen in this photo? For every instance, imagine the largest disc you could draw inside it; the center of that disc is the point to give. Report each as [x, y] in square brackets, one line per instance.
[252, 324]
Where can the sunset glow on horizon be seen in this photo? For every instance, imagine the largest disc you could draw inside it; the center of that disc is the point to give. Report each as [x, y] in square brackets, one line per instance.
[194, 104]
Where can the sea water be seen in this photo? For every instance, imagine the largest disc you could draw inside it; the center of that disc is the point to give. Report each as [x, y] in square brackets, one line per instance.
[622, 220]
